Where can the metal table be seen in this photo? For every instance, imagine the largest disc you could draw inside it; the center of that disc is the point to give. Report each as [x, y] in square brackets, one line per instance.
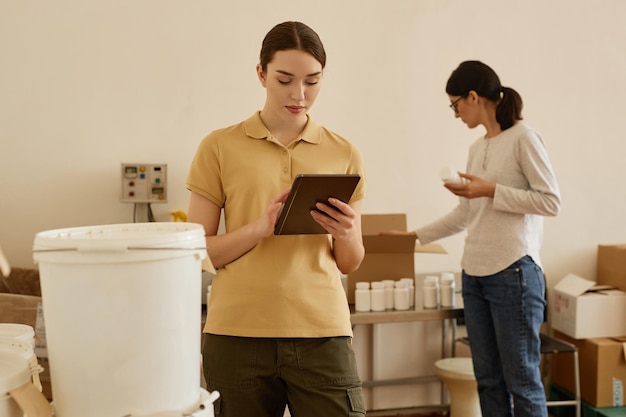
[448, 318]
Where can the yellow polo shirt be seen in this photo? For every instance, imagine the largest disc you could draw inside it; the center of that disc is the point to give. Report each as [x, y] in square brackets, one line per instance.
[286, 286]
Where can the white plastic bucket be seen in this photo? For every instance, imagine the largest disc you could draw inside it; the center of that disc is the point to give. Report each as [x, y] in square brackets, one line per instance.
[25, 351]
[13, 374]
[22, 338]
[122, 307]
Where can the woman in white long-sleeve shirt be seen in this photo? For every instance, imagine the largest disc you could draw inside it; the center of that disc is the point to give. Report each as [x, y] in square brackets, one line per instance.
[508, 187]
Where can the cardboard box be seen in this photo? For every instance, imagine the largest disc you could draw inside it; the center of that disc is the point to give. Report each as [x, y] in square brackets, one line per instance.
[386, 257]
[602, 370]
[581, 310]
[587, 410]
[21, 281]
[611, 268]
[17, 308]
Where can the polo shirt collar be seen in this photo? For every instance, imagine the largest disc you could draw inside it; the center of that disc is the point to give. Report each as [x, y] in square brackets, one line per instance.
[255, 128]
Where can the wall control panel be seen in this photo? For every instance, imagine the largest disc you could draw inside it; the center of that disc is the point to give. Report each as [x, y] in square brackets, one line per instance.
[144, 183]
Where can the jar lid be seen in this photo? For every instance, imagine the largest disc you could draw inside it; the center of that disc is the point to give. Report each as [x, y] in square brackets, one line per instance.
[363, 285]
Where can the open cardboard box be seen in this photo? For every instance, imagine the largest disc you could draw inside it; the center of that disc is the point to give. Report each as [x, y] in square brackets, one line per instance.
[581, 309]
[386, 257]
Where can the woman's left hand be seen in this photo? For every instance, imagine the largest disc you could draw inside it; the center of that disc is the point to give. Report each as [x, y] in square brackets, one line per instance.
[472, 187]
[337, 218]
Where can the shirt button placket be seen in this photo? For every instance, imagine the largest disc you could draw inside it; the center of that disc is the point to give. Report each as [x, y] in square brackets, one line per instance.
[286, 167]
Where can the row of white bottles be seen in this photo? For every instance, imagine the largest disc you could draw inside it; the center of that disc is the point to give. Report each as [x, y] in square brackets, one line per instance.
[437, 291]
[385, 295]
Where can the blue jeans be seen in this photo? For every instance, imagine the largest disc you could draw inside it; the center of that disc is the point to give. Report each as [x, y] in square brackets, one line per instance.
[504, 313]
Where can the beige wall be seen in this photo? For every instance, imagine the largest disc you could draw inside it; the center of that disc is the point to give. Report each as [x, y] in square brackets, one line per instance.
[88, 85]
[85, 86]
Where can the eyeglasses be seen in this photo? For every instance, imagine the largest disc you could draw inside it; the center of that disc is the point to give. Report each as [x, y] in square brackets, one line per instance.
[454, 104]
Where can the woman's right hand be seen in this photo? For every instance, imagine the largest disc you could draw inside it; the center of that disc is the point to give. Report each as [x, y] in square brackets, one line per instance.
[224, 248]
[266, 223]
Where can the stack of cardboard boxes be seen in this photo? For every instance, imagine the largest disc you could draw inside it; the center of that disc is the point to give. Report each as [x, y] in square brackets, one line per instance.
[592, 316]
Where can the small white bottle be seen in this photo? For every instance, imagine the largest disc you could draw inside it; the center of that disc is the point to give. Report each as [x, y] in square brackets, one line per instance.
[447, 289]
[438, 286]
[411, 284]
[431, 292]
[362, 297]
[389, 287]
[447, 174]
[378, 296]
[401, 295]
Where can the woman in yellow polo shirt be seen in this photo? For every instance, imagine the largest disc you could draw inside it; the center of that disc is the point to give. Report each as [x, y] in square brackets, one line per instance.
[278, 330]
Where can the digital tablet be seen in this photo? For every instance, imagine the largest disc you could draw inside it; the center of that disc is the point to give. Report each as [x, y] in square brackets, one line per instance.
[307, 189]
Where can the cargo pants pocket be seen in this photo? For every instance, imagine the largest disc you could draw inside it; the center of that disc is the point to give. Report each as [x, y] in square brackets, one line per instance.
[356, 402]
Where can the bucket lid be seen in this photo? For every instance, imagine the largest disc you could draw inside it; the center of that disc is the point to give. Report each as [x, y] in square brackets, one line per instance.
[152, 235]
[141, 235]
[14, 372]
[18, 331]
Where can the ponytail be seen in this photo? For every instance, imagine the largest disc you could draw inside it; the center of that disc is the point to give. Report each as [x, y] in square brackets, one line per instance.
[509, 109]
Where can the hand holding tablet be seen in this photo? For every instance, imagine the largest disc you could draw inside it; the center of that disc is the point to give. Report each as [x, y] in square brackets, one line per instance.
[307, 190]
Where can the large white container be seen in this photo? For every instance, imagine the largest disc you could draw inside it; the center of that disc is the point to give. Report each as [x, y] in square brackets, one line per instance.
[122, 307]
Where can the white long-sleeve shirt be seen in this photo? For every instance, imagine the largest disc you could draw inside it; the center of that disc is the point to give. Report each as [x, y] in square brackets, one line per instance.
[502, 229]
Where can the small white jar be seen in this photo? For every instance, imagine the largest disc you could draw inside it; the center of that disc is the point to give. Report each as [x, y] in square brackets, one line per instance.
[389, 287]
[431, 292]
[411, 284]
[362, 297]
[447, 289]
[378, 296]
[401, 295]
[449, 175]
